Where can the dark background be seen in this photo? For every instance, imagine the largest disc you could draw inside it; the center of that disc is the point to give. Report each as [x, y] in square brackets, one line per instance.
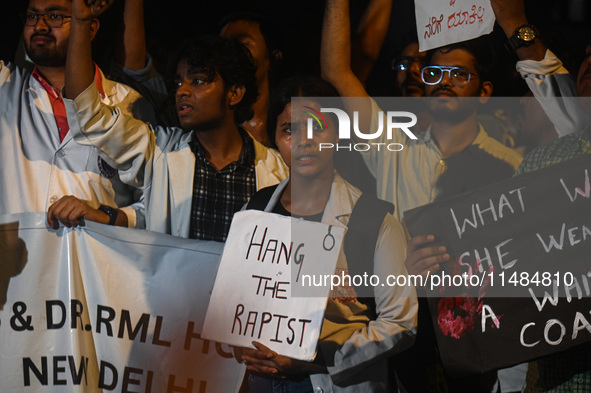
[565, 25]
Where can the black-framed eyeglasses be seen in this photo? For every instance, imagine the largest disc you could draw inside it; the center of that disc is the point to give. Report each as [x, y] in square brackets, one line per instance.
[51, 19]
[403, 63]
[459, 76]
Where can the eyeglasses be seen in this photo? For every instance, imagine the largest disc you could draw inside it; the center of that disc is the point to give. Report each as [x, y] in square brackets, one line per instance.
[459, 76]
[403, 63]
[50, 18]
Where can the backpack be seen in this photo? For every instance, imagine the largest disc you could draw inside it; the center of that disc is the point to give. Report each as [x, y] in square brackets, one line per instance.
[360, 240]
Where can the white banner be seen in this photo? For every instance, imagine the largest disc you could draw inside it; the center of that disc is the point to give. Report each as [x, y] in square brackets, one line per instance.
[255, 297]
[101, 309]
[444, 22]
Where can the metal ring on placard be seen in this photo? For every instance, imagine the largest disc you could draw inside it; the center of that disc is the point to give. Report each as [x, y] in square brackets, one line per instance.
[332, 239]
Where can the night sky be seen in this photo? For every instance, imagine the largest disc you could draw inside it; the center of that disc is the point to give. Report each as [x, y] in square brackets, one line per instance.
[298, 26]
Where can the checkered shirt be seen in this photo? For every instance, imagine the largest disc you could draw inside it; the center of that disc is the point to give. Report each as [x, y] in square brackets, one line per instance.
[217, 195]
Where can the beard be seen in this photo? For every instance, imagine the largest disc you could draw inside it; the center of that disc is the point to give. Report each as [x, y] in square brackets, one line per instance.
[453, 113]
[46, 56]
[412, 87]
[452, 109]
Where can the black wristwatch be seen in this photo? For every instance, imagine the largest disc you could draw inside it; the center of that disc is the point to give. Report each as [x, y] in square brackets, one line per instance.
[523, 36]
[111, 212]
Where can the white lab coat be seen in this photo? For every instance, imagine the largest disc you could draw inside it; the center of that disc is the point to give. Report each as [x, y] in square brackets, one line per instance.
[354, 348]
[36, 169]
[159, 160]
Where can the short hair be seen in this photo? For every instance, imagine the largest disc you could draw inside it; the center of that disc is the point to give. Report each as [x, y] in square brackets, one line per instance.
[480, 48]
[231, 60]
[295, 86]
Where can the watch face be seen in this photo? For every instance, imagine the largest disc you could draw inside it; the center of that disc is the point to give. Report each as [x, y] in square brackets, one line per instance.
[527, 34]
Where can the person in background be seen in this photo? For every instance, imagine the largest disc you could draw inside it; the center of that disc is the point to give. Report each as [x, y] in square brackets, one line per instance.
[254, 31]
[569, 370]
[408, 67]
[133, 65]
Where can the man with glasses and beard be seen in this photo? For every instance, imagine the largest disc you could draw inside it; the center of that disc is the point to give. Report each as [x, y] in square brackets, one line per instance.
[454, 153]
[408, 68]
[41, 166]
[457, 83]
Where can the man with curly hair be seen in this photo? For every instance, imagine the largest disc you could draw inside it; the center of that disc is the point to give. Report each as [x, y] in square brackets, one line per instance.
[194, 177]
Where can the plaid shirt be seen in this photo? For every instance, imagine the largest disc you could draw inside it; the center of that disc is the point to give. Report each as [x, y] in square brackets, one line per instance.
[568, 371]
[563, 149]
[217, 195]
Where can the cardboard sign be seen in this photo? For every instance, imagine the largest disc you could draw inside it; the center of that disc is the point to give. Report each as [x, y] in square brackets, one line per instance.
[441, 23]
[103, 308]
[520, 277]
[263, 264]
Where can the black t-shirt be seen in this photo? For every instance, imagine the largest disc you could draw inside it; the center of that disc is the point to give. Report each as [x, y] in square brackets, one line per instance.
[279, 209]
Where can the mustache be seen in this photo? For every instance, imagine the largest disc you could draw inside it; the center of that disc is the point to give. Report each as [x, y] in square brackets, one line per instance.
[51, 37]
[410, 81]
[444, 88]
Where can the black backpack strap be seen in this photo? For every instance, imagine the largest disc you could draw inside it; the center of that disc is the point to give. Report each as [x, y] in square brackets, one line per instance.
[360, 241]
[261, 198]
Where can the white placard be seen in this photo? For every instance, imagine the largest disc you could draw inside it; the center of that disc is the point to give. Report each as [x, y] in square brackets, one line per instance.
[444, 22]
[265, 258]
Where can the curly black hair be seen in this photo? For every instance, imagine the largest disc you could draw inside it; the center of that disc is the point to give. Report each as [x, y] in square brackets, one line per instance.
[231, 60]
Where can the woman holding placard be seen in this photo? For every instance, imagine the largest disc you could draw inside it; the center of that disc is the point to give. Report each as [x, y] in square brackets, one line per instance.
[355, 338]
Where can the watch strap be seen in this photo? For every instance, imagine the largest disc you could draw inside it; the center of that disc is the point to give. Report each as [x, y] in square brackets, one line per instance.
[516, 42]
[111, 212]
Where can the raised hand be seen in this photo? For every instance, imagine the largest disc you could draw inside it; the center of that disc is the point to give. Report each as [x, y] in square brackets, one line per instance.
[85, 10]
[510, 14]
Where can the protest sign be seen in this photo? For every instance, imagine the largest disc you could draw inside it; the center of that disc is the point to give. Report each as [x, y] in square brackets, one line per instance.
[520, 277]
[255, 296]
[444, 22]
[105, 309]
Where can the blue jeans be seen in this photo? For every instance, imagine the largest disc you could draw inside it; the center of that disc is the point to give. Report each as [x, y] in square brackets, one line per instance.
[258, 384]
